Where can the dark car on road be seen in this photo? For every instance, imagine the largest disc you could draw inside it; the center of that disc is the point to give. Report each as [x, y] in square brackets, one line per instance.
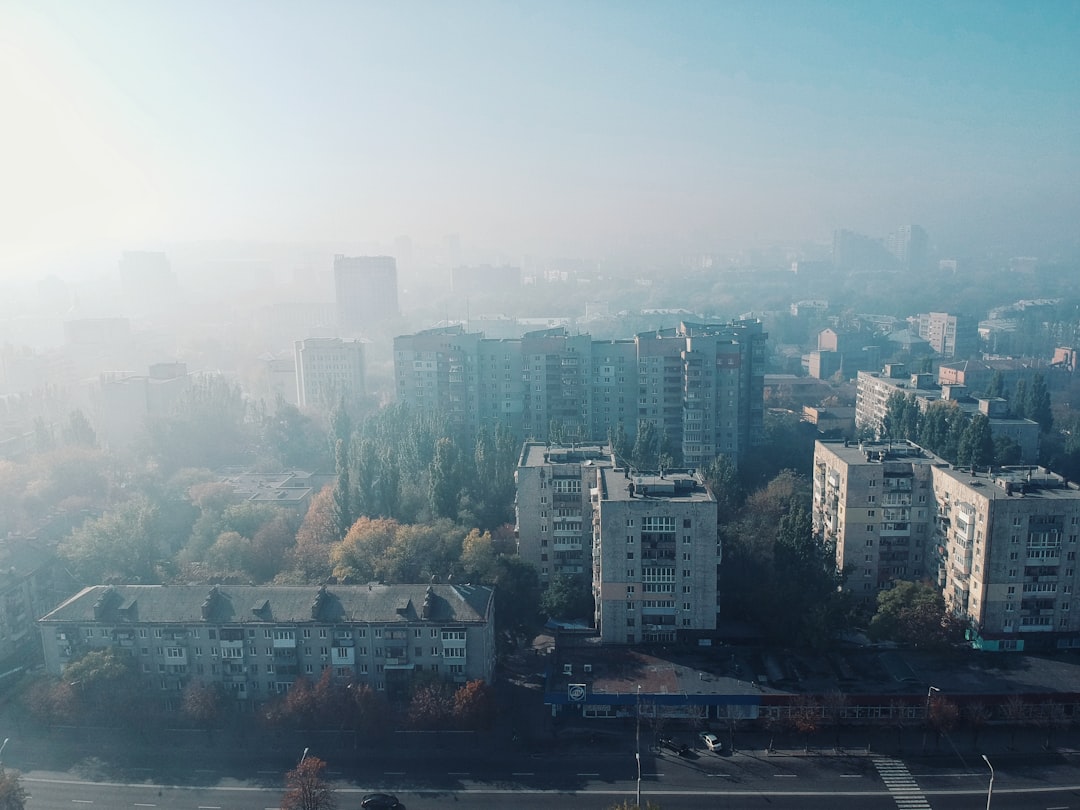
[381, 801]
[674, 747]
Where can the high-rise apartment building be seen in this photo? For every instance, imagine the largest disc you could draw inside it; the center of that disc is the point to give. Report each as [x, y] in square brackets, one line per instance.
[1001, 547]
[655, 556]
[876, 503]
[955, 336]
[553, 508]
[909, 245]
[328, 369]
[702, 386]
[366, 292]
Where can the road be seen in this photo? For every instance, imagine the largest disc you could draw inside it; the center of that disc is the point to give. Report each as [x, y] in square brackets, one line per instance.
[593, 781]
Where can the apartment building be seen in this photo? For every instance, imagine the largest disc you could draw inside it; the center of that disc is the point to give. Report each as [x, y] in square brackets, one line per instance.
[873, 391]
[949, 335]
[257, 640]
[553, 508]
[365, 291]
[875, 502]
[701, 385]
[655, 555]
[1001, 547]
[328, 369]
[1008, 546]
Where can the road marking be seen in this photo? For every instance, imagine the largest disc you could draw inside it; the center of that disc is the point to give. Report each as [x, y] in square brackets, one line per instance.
[393, 773]
[588, 774]
[83, 801]
[851, 776]
[457, 773]
[139, 804]
[209, 807]
[785, 775]
[522, 774]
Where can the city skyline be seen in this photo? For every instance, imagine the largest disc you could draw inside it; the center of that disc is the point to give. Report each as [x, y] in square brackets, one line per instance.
[566, 130]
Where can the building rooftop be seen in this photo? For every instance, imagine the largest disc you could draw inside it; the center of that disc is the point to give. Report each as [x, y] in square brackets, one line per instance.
[270, 604]
[537, 454]
[622, 485]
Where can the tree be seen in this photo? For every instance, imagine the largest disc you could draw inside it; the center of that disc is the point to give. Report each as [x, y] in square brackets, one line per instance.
[123, 544]
[431, 706]
[913, 613]
[976, 715]
[976, 447]
[517, 600]
[12, 794]
[474, 706]
[1037, 404]
[445, 487]
[942, 715]
[568, 596]
[306, 787]
[646, 453]
[293, 438]
[105, 687]
[310, 557]
[78, 430]
[203, 704]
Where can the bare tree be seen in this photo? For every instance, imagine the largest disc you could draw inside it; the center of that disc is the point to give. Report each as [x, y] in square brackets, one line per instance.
[1015, 711]
[976, 715]
[12, 793]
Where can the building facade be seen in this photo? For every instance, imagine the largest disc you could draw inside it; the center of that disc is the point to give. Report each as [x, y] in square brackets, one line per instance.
[366, 292]
[553, 508]
[874, 501]
[1001, 547]
[655, 557]
[257, 640]
[701, 386]
[949, 335]
[328, 369]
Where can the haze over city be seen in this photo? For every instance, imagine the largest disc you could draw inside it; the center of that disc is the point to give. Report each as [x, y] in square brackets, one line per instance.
[603, 130]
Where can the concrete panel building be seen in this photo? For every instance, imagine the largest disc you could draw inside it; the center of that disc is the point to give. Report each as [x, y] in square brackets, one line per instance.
[328, 369]
[257, 640]
[655, 557]
[1001, 547]
[366, 292]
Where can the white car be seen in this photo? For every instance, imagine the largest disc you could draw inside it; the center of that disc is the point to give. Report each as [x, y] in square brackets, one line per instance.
[712, 742]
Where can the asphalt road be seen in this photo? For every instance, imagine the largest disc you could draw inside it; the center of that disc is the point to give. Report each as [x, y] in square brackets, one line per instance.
[594, 781]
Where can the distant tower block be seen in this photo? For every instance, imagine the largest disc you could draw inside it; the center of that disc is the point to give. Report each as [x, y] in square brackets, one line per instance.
[366, 291]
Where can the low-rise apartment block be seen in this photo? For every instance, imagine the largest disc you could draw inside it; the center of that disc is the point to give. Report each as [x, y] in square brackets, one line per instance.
[257, 640]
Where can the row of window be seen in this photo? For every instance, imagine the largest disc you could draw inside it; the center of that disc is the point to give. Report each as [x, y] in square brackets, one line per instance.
[237, 634]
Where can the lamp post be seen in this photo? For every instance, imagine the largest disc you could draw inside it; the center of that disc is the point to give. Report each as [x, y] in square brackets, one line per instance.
[2, 747]
[929, 692]
[990, 789]
[637, 742]
[303, 756]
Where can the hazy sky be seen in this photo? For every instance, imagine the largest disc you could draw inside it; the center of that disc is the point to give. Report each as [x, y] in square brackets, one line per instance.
[573, 127]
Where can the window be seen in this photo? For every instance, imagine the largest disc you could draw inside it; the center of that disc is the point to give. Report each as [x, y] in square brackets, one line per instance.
[630, 539]
[629, 589]
[322, 632]
[307, 632]
[629, 555]
[870, 498]
[142, 632]
[869, 512]
[629, 573]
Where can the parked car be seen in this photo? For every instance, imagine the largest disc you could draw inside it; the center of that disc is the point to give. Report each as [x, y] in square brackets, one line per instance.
[381, 801]
[712, 742]
[674, 747]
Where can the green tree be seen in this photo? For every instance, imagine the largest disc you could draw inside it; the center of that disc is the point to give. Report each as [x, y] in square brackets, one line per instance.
[1006, 452]
[517, 600]
[902, 416]
[996, 388]
[343, 490]
[122, 545]
[445, 483]
[646, 453]
[722, 477]
[306, 787]
[1037, 404]
[78, 430]
[976, 448]
[105, 688]
[293, 438]
[914, 613]
[568, 596]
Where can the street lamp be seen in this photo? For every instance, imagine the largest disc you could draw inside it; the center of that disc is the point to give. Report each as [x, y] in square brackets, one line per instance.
[926, 727]
[303, 756]
[2, 747]
[637, 743]
[990, 789]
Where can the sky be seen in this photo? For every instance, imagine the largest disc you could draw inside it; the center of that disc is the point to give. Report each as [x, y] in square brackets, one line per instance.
[565, 128]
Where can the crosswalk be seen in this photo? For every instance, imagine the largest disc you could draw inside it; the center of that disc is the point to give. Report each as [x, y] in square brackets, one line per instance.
[901, 784]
